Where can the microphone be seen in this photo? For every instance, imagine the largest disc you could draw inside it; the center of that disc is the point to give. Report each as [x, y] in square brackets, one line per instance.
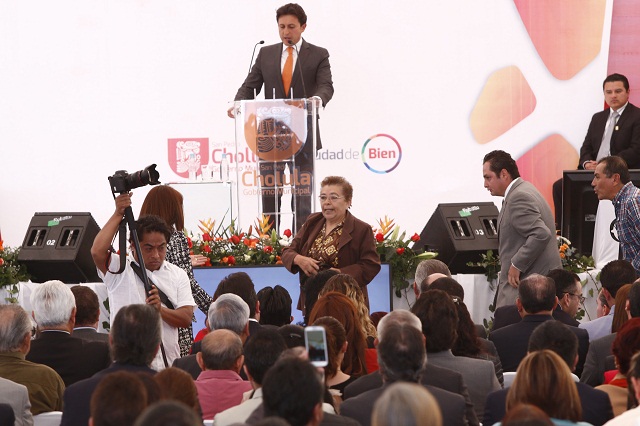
[304, 89]
[254, 54]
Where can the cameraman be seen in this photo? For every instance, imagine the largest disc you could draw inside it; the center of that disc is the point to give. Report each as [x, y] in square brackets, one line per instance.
[127, 288]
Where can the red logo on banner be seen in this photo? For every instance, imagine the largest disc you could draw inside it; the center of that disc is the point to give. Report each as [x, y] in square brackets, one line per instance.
[187, 154]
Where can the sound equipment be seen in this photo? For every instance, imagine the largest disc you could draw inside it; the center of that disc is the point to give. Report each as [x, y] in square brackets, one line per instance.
[460, 233]
[57, 246]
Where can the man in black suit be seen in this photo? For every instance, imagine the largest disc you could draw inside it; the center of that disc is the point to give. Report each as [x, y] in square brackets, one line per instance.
[568, 291]
[401, 357]
[309, 76]
[435, 376]
[625, 136]
[87, 315]
[72, 358]
[555, 336]
[536, 301]
[135, 339]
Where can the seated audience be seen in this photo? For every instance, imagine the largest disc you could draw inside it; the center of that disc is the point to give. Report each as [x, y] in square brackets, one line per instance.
[240, 284]
[424, 270]
[602, 307]
[275, 306]
[177, 385]
[118, 400]
[44, 385]
[16, 396]
[135, 339]
[87, 314]
[439, 318]
[406, 404]
[526, 415]
[631, 416]
[168, 413]
[545, 381]
[292, 334]
[220, 385]
[340, 307]
[74, 359]
[621, 315]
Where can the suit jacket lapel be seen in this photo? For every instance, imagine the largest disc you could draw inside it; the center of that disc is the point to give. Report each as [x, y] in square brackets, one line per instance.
[295, 80]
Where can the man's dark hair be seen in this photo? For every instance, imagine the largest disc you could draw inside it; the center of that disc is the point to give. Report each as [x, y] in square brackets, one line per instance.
[292, 334]
[537, 293]
[136, 335]
[87, 305]
[262, 351]
[616, 77]
[499, 160]
[615, 165]
[292, 9]
[449, 286]
[168, 413]
[564, 280]
[118, 400]
[239, 283]
[634, 300]
[312, 287]
[151, 223]
[275, 306]
[557, 337]
[439, 319]
[401, 354]
[291, 389]
[615, 274]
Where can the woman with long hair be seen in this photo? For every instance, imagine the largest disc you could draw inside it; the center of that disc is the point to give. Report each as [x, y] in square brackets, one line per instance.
[166, 202]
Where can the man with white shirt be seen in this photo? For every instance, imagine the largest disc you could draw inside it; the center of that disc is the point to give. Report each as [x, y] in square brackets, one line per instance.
[170, 289]
[526, 230]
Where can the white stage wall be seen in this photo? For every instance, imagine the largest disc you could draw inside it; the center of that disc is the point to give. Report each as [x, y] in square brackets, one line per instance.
[89, 87]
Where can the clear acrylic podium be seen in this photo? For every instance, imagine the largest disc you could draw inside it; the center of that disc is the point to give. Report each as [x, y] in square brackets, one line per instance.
[274, 162]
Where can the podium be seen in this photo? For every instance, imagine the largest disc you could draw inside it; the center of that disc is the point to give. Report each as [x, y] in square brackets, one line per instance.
[274, 161]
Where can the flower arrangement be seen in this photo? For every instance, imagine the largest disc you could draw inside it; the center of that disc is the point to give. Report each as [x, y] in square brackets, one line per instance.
[11, 272]
[393, 248]
[571, 259]
[229, 246]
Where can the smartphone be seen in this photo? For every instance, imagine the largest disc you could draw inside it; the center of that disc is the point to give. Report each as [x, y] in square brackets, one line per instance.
[315, 341]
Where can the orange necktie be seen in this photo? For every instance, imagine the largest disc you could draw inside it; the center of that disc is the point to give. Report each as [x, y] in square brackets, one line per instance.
[287, 71]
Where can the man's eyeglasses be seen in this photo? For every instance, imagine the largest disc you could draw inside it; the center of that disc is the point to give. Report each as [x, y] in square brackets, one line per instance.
[579, 296]
[331, 198]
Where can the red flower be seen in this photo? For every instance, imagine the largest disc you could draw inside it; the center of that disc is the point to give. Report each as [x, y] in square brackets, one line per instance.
[1, 261]
[207, 262]
[235, 239]
[287, 233]
[231, 260]
[206, 249]
[205, 237]
[247, 242]
[379, 237]
[415, 238]
[400, 250]
[189, 243]
[268, 249]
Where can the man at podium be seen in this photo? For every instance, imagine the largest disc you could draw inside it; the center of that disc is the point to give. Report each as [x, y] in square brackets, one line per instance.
[290, 69]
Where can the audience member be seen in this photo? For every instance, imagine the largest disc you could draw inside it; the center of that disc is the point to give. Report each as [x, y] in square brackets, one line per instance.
[602, 308]
[621, 315]
[625, 345]
[74, 359]
[545, 381]
[135, 339]
[16, 396]
[151, 386]
[439, 319]
[557, 337]
[435, 376]
[275, 306]
[240, 283]
[311, 289]
[406, 404]
[260, 353]
[631, 416]
[526, 415]
[614, 275]
[340, 307]
[536, 301]
[44, 385]
[402, 357]
[7, 416]
[87, 314]
[293, 335]
[118, 400]
[424, 270]
[177, 385]
[168, 413]
[220, 385]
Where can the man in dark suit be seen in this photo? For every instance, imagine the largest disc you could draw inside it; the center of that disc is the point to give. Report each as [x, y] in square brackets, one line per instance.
[555, 336]
[568, 291]
[72, 358]
[537, 299]
[433, 375]
[526, 230]
[87, 315]
[135, 339]
[401, 357]
[625, 135]
[284, 74]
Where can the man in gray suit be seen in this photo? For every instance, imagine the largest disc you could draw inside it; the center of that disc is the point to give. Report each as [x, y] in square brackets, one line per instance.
[17, 396]
[526, 228]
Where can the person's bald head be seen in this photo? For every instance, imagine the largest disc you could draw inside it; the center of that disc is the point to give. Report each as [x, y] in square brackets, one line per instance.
[221, 350]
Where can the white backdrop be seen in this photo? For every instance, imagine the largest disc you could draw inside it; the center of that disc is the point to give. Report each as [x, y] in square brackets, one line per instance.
[88, 87]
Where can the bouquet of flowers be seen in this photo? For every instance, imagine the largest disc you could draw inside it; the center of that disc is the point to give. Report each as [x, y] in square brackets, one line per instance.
[11, 272]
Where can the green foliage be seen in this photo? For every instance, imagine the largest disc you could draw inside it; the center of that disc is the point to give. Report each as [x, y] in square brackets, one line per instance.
[11, 272]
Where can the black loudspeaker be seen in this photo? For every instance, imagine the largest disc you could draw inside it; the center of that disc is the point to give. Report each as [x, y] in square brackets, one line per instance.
[460, 233]
[58, 247]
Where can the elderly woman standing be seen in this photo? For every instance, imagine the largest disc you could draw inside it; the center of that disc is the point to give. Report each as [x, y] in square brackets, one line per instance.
[334, 239]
